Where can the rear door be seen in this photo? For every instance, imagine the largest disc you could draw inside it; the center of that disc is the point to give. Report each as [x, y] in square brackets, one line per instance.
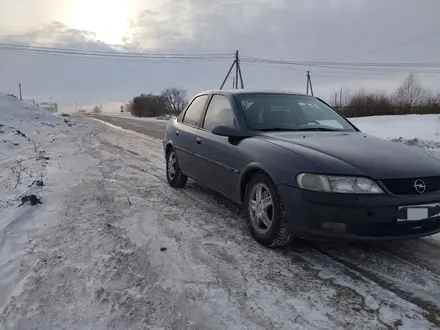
[218, 154]
[185, 139]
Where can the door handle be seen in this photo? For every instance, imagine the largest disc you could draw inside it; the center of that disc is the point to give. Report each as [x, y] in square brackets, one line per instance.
[199, 140]
[177, 132]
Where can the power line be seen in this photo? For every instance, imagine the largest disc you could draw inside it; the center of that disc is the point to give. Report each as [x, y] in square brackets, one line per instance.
[76, 53]
[136, 56]
[113, 52]
[339, 64]
[353, 71]
[348, 73]
[116, 59]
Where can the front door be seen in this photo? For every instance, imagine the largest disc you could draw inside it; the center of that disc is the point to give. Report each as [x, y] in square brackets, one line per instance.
[218, 154]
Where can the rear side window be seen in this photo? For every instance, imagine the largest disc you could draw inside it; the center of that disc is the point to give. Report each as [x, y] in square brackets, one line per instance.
[194, 113]
[219, 113]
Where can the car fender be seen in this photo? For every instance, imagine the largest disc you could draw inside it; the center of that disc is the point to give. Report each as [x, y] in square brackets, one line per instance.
[282, 168]
[169, 129]
[166, 145]
[253, 167]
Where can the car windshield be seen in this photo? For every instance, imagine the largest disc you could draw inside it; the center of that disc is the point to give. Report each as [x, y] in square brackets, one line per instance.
[288, 112]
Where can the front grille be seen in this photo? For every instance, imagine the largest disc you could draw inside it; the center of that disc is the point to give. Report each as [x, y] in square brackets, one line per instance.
[406, 186]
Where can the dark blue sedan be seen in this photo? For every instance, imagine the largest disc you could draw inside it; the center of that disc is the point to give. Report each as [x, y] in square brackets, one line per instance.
[301, 169]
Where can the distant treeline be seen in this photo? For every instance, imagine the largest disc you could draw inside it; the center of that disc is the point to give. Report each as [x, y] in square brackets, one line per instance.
[410, 98]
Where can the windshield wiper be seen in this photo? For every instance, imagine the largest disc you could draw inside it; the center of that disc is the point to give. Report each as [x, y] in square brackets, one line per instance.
[322, 129]
[277, 129]
[302, 129]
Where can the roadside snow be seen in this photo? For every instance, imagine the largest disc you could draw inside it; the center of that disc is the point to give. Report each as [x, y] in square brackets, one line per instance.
[113, 246]
[34, 145]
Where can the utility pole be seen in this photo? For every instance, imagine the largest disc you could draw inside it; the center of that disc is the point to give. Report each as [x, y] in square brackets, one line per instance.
[236, 69]
[238, 74]
[19, 88]
[241, 76]
[309, 83]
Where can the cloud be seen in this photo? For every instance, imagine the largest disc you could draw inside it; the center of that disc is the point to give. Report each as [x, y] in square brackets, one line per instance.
[294, 29]
[55, 34]
[312, 30]
[91, 81]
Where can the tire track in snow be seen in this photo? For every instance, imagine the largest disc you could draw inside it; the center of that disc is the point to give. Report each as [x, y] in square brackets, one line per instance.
[410, 260]
[386, 281]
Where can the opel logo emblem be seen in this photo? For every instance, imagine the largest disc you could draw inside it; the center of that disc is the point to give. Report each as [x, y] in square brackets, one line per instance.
[420, 186]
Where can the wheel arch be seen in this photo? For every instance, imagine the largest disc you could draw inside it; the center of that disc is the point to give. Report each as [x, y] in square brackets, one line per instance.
[246, 176]
[168, 147]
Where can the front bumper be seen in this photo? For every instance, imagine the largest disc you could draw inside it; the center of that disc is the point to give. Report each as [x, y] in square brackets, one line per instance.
[356, 217]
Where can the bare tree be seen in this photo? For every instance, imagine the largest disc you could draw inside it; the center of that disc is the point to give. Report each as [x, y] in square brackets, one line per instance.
[96, 109]
[410, 93]
[147, 105]
[334, 100]
[175, 99]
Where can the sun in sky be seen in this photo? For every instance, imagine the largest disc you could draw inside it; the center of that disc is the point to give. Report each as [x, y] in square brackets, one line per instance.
[108, 19]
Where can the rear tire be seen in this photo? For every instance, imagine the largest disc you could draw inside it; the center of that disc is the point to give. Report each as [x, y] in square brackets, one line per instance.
[175, 177]
[265, 214]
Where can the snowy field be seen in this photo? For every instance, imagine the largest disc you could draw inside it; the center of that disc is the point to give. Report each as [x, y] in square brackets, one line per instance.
[422, 127]
[113, 246]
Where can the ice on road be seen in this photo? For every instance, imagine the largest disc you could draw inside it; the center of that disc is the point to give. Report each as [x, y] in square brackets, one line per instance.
[113, 246]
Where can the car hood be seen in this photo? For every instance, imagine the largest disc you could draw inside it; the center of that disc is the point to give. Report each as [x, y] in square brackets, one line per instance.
[356, 153]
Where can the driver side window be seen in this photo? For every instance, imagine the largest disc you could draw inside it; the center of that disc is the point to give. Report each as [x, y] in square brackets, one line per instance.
[219, 113]
[194, 112]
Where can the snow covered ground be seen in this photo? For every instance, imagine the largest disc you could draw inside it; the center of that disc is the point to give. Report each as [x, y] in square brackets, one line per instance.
[113, 246]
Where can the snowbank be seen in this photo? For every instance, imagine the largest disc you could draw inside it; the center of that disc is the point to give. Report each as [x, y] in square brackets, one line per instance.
[25, 131]
[33, 147]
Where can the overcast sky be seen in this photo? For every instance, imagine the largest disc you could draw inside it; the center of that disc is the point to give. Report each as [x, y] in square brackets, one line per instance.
[296, 30]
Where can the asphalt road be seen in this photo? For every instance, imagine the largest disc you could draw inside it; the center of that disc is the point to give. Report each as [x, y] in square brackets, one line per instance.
[152, 128]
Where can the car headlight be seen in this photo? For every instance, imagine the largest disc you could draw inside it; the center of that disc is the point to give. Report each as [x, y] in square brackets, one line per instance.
[338, 184]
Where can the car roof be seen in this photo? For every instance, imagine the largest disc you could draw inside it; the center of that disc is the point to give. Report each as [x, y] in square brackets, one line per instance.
[251, 91]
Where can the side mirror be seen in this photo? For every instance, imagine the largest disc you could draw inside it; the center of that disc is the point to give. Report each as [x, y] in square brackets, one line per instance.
[225, 130]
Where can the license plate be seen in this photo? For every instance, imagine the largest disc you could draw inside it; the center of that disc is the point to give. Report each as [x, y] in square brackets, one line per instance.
[418, 212]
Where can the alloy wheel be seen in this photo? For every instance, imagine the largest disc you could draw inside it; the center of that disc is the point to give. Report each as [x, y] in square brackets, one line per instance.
[261, 208]
[172, 165]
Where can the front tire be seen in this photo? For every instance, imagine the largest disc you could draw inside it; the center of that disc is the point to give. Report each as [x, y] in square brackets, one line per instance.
[175, 177]
[265, 214]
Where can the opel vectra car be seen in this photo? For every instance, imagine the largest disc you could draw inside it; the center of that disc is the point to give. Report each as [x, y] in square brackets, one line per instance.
[300, 169]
